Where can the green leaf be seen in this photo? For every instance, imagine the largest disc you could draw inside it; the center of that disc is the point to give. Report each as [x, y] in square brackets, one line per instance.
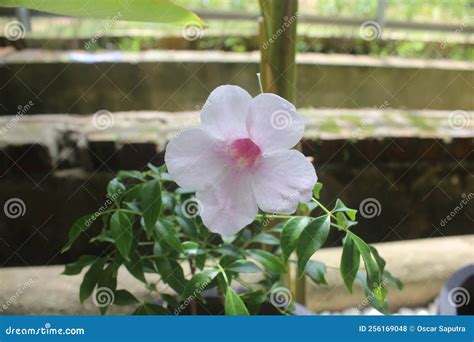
[115, 189]
[266, 239]
[270, 261]
[150, 204]
[373, 297]
[254, 297]
[81, 225]
[121, 229]
[243, 266]
[198, 283]
[133, 194]
[311, 239]
[371, 266]
[171, 300]
[123, 297]
[187, 225]
[192, 248]
[133, 207]
[135, 267]
[106, 285]
[233, 304]
[133, 174]
[350, 261]
[343, 221]
[378, 259]
[77, 266]
[201, 260]
[91, 278]
[155, 169]
[150, 309]
[316, 271]
[290, 234]
[391, 279]
[163, 11]
[165, 231]
[317, 189]
[341, 207]
[171, 273]
[230, 250]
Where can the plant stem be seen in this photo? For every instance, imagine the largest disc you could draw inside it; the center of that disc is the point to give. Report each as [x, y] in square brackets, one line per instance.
[300, 287]
[278, 47]
[330, 213]
[223, 274]
[193, 302]
[323, 207]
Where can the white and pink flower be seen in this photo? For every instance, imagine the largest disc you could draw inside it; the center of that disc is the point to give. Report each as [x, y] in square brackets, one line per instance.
[241, 159]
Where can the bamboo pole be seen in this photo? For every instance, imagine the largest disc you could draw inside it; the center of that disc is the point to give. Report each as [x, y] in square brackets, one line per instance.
[278, 47]
[277, 38]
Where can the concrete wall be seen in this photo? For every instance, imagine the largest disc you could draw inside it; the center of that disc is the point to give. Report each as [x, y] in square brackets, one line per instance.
[78, 82]
[59, 166]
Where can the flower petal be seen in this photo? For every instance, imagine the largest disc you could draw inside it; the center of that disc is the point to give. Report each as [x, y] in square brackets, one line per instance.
[229, 206]
[194, 160]
[273, 123]
[283, 180]
[225, 111]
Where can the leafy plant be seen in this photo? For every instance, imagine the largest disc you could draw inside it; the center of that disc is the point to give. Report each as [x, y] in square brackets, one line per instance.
[154, 228]
[162, 11]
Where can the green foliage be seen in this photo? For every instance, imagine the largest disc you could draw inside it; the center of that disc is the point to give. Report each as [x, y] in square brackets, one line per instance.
[233, 304]
[291, 234]
[81, 225]
[312, 238]
[150, 204]
[350, 262]
[316, 271]
[162, 11]
[121, 231]
[144, 230]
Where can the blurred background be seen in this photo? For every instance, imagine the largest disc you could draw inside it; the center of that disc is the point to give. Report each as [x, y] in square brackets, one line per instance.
[386, 88]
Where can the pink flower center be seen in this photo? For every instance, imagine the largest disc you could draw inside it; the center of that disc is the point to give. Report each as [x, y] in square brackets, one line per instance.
[244, 154]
